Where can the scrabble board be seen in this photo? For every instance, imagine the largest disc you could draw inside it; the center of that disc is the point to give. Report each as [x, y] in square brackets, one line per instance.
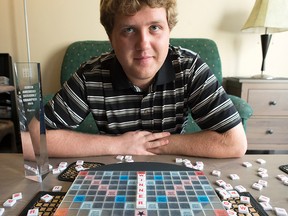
[141, 188]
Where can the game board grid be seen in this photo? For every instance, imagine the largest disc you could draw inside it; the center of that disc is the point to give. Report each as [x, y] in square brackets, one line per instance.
[114, 193]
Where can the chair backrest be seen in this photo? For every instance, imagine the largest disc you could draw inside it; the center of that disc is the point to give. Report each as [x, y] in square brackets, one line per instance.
[206, 48]
[80, 51]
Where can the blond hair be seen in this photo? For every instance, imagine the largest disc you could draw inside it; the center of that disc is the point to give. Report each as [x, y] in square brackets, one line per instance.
[109, 9]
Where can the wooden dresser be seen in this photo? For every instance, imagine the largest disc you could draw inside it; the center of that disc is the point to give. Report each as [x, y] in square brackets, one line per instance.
[267, 129]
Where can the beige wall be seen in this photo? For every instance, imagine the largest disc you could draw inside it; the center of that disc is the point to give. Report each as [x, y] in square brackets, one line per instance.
[53, 24]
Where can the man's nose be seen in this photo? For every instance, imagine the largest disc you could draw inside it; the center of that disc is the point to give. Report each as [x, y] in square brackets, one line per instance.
[143, 40]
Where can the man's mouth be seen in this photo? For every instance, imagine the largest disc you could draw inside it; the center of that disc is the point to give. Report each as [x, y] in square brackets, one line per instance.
[140, 58]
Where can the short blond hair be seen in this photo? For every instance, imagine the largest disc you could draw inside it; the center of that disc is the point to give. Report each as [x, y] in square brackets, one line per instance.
[109, 9]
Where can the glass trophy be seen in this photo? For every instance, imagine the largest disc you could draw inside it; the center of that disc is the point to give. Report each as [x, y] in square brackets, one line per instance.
[31, 119]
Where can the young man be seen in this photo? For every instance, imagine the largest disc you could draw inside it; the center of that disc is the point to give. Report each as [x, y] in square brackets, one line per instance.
[140, 93]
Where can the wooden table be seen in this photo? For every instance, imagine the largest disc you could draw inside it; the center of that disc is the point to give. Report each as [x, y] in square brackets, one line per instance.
[13, 181]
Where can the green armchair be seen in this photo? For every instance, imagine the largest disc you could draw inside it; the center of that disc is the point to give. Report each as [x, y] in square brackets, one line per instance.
[80, 51]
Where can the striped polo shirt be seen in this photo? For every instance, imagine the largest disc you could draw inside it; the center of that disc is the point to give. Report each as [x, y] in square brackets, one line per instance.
[184, 84]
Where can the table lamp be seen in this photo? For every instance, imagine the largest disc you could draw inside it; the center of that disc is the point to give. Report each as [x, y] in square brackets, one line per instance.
[267, 16]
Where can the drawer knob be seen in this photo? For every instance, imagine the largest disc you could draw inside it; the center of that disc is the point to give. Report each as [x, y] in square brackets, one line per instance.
[273, 103]
[269, 132]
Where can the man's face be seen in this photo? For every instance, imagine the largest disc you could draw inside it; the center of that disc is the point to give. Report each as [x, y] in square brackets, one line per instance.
[141, 43]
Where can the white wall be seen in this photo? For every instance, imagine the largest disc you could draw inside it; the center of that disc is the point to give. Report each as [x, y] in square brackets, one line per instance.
[53, 24]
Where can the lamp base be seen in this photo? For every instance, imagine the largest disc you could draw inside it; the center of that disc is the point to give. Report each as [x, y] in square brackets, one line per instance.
[262, 76]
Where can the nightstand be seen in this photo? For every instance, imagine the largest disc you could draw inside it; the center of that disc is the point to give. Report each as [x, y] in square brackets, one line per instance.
[8, 107]
[267, 129]
[7, 137]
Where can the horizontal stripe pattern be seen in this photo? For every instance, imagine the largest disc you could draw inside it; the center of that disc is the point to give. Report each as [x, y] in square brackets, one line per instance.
[164, 108]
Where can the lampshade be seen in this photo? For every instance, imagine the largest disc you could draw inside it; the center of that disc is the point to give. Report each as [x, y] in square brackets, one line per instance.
[268, 16]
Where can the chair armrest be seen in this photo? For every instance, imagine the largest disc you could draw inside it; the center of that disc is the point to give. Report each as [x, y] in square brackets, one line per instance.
[47, 97]
[244, 109]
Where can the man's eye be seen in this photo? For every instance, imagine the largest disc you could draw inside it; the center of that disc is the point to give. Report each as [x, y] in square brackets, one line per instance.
[128, 30]
[154, 28]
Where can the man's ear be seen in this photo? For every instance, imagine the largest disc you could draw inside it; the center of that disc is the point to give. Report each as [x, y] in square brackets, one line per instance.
[109, 36]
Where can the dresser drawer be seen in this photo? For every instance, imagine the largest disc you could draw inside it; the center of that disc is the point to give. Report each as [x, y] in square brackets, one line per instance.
[268, 102]
[265, 130]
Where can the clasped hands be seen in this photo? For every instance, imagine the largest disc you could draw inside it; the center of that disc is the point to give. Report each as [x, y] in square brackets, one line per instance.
[143, 142]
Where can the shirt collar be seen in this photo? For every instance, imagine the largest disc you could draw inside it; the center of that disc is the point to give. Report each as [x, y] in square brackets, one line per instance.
[120, 81]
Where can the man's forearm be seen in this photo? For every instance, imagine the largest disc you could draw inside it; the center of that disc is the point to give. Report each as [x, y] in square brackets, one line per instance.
[66, 143]
[207, 144]
[74, 144]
